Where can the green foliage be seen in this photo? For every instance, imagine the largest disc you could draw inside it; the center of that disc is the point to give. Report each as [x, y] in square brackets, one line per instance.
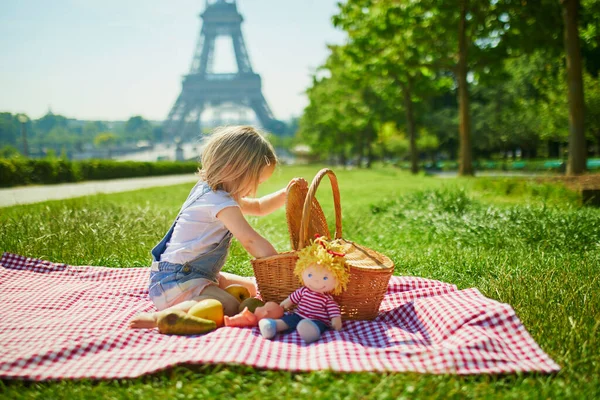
[592, 107]
[50, 121]
[9, 152]
[105, 140]
[515, 187]
[392, 142]
[10, 174]
[60, 134]
[337, 121]
[453, 217]
[589, 31]
[537, 166]
[20, 171]
[291, 127]
[426, 141]
[100, 169]
[524, 109]
[399, 65]
[286, 142]
[10, 129]
[137, 128]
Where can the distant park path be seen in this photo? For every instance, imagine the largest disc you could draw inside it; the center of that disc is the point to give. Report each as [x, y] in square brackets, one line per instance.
[35, 194]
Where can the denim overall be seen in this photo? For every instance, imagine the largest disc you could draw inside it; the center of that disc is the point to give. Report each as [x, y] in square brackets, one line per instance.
[170, 281]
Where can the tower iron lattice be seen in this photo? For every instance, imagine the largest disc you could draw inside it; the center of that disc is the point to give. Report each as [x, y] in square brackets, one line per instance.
[202, 88]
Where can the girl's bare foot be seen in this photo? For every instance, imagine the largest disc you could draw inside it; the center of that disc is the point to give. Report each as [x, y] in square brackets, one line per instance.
[144, 321]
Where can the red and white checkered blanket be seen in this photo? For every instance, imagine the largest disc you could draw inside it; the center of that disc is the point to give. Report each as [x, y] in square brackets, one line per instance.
[61, 321]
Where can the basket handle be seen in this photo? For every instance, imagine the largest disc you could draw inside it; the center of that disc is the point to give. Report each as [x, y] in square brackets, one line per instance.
[304, 223]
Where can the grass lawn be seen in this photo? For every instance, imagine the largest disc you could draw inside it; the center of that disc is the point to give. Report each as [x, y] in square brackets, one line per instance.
[530, 245]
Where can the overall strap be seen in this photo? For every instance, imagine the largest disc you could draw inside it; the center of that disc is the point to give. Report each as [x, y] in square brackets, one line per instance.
[191, 199]
[161, 246]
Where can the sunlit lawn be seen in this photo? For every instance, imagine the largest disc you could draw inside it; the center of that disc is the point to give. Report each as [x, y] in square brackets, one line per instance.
[532, 246]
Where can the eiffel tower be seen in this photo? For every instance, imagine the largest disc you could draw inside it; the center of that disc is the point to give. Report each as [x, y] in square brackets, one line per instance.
[202, 88]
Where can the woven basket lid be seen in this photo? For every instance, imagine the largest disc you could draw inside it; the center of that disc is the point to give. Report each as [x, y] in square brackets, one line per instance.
[364, 258]
[296, 194]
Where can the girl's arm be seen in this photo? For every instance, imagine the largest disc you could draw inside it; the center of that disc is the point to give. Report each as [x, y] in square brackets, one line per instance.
[264, 205]
[255, 244]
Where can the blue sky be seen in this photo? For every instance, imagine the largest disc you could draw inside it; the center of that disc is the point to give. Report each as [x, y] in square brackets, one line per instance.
[110, 59]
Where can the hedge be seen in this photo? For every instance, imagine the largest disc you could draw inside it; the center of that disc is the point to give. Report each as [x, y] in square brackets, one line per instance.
[21, 171]
[593, 164]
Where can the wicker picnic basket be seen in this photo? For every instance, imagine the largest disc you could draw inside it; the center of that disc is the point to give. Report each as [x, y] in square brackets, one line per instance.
[370, 271]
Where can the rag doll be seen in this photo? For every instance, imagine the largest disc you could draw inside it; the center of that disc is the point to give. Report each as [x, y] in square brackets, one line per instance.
[322, 272]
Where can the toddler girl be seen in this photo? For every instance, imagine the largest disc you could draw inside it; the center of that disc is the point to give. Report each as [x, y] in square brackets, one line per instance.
[187, 262]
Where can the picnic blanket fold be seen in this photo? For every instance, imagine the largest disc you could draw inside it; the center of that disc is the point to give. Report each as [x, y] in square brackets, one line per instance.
[62, 321]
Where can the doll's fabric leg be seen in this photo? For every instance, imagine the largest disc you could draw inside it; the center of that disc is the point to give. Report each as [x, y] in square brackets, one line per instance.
[269, 327]
[308, 330]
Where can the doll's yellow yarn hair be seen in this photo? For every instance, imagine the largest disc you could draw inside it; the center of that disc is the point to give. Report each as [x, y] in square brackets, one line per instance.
[316, 253]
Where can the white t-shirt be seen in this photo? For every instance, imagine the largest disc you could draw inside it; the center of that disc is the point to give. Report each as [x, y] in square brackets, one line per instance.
[198, 230]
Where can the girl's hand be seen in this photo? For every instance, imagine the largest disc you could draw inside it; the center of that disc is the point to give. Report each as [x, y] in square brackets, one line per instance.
[266, 204]
[301, 181]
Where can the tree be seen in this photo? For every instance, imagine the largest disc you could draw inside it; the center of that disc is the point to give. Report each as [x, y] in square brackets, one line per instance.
[393, 143]
[322, 125]
[592, 109]
[387, 41]
[522, 108]
[91, 129]
[576, 164]
[291, 127]
[137, 128]
[417, 40]
[106, 140]
[428, 143]
[10, 131]
[338, 119]
[442, 121]
[8, 151]
[49, 121]
[464, 120]
[569, 17]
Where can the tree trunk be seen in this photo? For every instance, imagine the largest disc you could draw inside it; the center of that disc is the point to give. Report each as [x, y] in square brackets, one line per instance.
[410, 126]
[24, 137]
[361, 152]
[369, 146]
[466, 157]
[342, 157]
[576, 162]
[452, 150]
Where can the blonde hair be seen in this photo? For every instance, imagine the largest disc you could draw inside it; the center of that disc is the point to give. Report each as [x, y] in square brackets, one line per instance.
[233, 159]
[327, 255]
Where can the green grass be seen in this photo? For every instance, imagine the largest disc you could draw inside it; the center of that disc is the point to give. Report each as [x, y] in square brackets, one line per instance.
[530, 245]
